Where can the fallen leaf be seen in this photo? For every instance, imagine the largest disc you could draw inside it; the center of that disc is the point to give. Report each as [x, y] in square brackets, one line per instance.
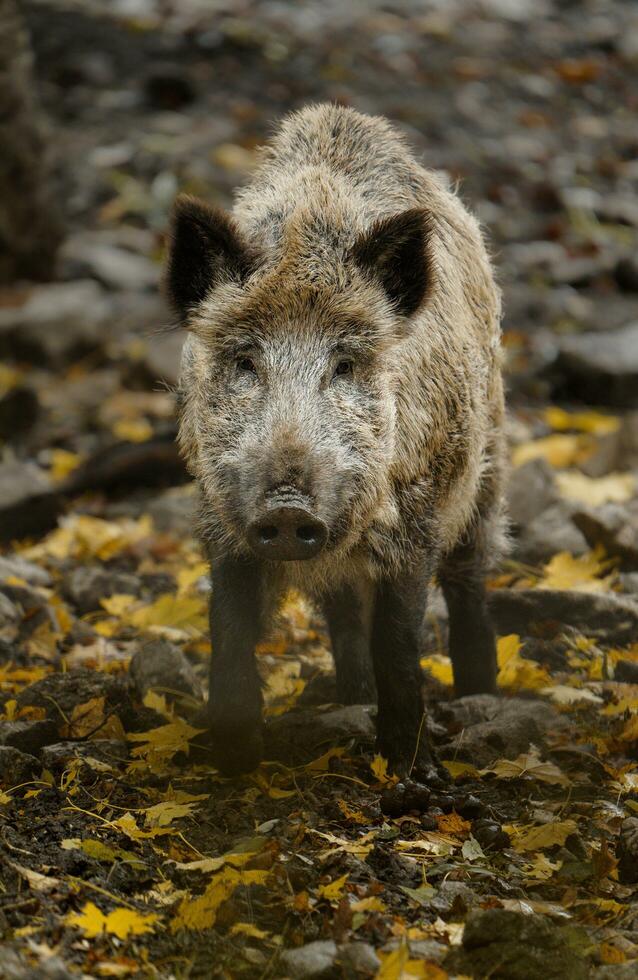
[528, 764]
[516, 672]
[85, 719]
[159, 745]
[588, 421]
[613, 488]
[201, 912]
[584, 573]
[120, 922]
[333, 890]
[439, 667]
[559, 450]
[563, 694]
[528, 838]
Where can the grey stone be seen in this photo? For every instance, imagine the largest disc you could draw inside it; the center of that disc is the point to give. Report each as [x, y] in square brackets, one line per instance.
[313, 960]
[160, 666]
[531, 490]
[16, 767]
[58, 756]
[615, 527]
[359, 959]
[87, 585]
[9, 612]
[55, 321]
[28, 504]
[299, 735]
[174, 510]
[351, 721]
[551, 531]
[606, 615]
[602, 367]
[490, 727]
[618, 971]
[504, 944]
[113, 266]
[28, 736]
[61, 692]
[13, 566]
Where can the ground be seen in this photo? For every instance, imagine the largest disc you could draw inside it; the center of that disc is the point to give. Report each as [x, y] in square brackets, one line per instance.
[122, 852]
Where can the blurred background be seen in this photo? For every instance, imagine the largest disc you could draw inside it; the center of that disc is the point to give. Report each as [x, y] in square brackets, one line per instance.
[111, 108]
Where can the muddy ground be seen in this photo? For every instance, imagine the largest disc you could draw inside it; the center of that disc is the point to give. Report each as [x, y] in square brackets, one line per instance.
[122, 853]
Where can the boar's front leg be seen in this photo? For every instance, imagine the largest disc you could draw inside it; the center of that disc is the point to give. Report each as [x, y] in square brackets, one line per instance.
[396, 640]
[348, 614]
[235, 701]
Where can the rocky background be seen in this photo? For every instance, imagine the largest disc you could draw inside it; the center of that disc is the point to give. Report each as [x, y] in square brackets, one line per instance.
[122, 854]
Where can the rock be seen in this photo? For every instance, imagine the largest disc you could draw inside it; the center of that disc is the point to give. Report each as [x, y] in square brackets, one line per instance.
[613, 525]
[531, 490]
[28, 504]
[607, 615]
[55, 322]
[28, 736]
[549, 532]
[628, 442]
[618, 971]
[627, 851]
[12, 566]
[174, 510]
[90, 255]
[358, 960]
[58, 756]
[600, 368]
[300, 735]
[511, 946]
[16, 767]
[61, 692]
[489, 727]
[87, 585]
[163, 355]
[19, 411]
[160, 666]
[626, 273]
[9, 612]
[313, 960]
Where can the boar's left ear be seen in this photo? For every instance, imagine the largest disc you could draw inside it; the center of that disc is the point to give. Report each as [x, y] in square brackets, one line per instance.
[205, 246]
[396, 250]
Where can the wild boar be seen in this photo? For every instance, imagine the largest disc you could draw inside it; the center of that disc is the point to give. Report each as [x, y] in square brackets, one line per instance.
[341, 408]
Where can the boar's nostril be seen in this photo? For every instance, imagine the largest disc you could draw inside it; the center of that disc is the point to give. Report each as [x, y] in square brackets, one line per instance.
[268, 532]
[307, 532]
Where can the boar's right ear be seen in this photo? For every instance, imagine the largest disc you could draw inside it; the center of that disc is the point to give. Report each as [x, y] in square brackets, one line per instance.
[397, 252]
[205, 246]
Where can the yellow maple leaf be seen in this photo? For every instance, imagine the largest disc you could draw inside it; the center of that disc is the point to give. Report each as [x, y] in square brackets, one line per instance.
[588, 421]
[120, 922]
[559, 450]
[379, 767]
[201, 912]
[457, 769]
[85, 719]
[528, 764]
[370, 904]
[62, 463]
[580, 574]
[118, 604]
[169, 613]
[161, 744]
[440, 667]
[248, 929]
[528, 838]
[333, 889]
[128, 826]
[351, 814]
[613, 488]
[515, 672]
[163, 814]
[132, 430]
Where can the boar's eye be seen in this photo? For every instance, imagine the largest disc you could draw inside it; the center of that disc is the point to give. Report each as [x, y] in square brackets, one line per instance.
[343, 368]
[246, 365]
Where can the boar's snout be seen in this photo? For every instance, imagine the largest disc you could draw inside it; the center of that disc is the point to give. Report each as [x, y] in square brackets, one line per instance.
[287, 532]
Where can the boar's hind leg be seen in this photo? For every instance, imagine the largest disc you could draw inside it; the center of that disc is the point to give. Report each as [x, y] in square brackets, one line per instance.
[396, 640]
[348, 614]
[234, 701]
[472, 641]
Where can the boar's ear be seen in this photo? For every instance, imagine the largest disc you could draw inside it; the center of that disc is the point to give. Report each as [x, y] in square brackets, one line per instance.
[205, 246]
[397, 252]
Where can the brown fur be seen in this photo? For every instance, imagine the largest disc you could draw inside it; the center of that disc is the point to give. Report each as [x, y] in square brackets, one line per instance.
[330, 176]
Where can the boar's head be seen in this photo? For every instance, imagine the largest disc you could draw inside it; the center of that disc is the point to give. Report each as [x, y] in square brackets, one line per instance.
[290, 373]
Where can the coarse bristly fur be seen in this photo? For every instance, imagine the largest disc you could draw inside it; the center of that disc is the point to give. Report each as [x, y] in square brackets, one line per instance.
[343, 248]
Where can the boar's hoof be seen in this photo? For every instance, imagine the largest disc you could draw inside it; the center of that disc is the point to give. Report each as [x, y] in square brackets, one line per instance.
[424, 769]
[236, 751]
